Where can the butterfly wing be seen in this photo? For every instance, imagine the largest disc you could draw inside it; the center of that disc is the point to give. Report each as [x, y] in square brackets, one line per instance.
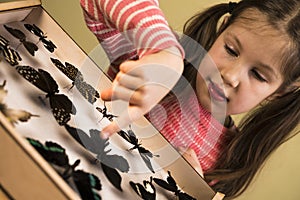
[60, 66]
[34, 30]
[52, 152]
[80, 136]
[41, 79]
[16, 33]
[3, 42]
[164, 184]
[113, 176]
[87, 91]
[146, 155]
[73, 73]
[62, 108]
[146, 192]
[116, 162]
[86, 183]
[30, 47]
[49, 45]
[11, 56]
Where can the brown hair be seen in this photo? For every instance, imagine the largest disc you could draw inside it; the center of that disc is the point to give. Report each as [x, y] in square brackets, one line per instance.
[268, 126]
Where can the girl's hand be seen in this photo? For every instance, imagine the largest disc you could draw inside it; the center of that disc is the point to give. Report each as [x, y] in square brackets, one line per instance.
[142, 83]
[191, 157]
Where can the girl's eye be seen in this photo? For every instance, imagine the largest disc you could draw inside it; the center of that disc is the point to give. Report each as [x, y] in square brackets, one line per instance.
[230, 51]
[258, 76]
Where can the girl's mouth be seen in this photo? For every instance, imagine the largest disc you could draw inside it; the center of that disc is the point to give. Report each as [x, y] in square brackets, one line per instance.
[216, 92]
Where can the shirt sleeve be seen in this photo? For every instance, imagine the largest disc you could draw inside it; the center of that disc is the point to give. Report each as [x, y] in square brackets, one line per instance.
[129, 28]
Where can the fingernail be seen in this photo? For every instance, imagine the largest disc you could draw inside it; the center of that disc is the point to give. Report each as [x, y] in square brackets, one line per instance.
[104, 135]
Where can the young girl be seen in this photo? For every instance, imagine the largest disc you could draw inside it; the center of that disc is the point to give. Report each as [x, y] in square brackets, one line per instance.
[256, 50]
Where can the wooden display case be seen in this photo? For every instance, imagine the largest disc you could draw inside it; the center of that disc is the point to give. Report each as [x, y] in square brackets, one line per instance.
[24, 174]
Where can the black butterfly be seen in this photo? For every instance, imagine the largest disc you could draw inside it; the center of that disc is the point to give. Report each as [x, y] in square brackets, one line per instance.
[96, 145]
[146, 191]
[62, 107]
[48, 44]
[85, 183]
[171, 185]
[130, 137]
[85, 89]
[105, 114]
[10, 55]
[30, 47]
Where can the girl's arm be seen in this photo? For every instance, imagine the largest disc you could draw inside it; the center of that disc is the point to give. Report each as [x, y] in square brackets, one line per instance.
[127, 26]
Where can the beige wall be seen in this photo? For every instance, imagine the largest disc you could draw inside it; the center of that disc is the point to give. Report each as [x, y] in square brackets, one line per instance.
[280, 177]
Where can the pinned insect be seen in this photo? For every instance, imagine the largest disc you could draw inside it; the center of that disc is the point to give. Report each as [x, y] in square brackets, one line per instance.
[30, 47]
[85, 89]
[171, 185]
[48, 44]
[13, 115]
[105, 114]
[97, 145]
[10, 55]
[130, 137]
[146, 191]
[61, 106]
[86, 183]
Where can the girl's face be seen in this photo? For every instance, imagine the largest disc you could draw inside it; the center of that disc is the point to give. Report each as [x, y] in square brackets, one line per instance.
[247, 62]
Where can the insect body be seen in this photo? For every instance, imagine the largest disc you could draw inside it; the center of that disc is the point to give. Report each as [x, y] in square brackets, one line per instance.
[103, 111]
[48, 44]
[130, 137]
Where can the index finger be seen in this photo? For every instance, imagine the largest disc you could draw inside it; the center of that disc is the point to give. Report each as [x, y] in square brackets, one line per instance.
[126, 118]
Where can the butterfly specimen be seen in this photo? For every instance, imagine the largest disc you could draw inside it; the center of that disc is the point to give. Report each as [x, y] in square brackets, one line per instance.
[171, 185]
[85, 89]
[86, 184]
[146, 191]
[105, 114]
[10, 55]
[13, 115]
[97, 145]
[61, 106]
[48, 44]
[130, 137]
[30, 47]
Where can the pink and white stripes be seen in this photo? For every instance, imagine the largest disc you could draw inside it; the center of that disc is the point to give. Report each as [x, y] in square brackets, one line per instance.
[138, 25]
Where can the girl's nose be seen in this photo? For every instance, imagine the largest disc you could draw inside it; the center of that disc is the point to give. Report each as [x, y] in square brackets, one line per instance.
[231, 76]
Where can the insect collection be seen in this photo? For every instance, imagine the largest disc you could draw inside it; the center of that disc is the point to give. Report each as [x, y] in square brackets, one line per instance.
[54, 103]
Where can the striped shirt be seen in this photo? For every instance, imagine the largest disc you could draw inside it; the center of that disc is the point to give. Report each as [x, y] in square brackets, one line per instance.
[130, 29]
[185, 123]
